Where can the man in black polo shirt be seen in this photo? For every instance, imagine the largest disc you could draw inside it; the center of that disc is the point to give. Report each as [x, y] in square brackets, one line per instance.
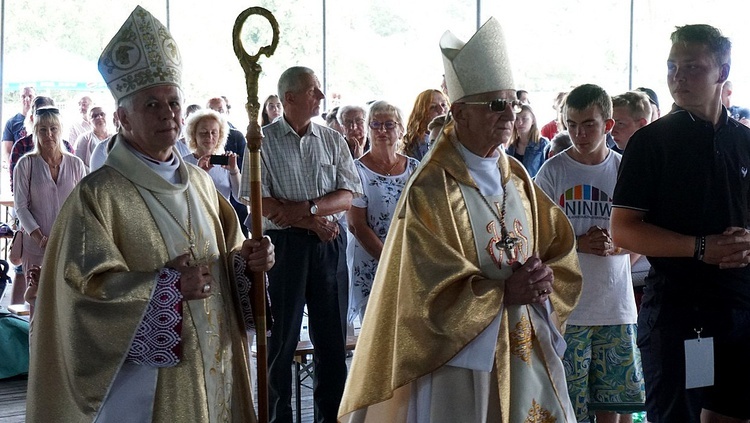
[682, 200]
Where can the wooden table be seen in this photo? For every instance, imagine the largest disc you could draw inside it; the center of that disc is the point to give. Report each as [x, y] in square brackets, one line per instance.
[19, 309]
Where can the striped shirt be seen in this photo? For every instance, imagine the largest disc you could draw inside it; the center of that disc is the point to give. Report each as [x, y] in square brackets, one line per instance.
[303, 168]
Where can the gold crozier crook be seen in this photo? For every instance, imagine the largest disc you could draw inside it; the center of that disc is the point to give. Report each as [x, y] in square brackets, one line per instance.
[254, 138]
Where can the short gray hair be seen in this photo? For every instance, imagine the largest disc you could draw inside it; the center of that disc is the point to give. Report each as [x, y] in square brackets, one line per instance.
[350, 108]
[384, 107]
[127, 101]
[291, 80]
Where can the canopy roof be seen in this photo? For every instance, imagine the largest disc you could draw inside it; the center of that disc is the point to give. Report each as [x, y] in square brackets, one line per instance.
[49, 68]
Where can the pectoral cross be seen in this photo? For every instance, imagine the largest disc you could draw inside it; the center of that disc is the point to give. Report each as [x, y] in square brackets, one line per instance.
[201, 259]
[508, 245]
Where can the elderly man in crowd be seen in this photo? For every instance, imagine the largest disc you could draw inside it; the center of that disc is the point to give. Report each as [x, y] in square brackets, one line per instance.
[138, 316]
[352, 121]
[82, 123]
[308, 183]
[477, 274]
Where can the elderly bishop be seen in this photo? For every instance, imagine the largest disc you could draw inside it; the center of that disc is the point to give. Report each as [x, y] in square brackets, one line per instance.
[479, 272]
[139, 315]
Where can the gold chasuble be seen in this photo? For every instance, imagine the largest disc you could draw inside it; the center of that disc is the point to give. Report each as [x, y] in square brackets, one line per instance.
[440, 284]
[107, 246]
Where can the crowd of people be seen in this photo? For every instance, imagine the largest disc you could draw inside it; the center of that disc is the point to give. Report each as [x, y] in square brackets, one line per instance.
[488, 258]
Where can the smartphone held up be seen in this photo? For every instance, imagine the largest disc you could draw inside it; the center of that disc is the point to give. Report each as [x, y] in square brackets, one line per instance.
[216, 159]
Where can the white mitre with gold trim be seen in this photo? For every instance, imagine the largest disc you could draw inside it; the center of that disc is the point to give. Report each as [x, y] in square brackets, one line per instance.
[142, 54]
[478, 66]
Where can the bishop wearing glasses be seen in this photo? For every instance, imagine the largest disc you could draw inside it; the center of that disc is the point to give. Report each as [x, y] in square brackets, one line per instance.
[478, 273]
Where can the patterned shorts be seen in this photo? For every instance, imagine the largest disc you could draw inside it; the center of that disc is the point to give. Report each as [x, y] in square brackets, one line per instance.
[603, 369]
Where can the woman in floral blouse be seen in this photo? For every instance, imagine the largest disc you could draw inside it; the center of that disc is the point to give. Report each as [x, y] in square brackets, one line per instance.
[384, 173]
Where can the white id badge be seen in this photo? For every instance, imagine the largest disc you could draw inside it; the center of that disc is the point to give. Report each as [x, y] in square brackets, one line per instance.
[699, 362]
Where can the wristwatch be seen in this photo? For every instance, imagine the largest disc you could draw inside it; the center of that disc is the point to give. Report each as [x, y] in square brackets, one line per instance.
[313, 207]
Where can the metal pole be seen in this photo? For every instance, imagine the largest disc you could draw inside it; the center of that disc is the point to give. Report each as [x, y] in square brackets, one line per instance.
[630, 58]
[479, 14]
[167, 4]
[2, 54]
[325, 67]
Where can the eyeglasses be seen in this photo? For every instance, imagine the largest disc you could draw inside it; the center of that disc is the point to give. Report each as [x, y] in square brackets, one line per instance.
[499, 104]
[46, 109]
[388, 125]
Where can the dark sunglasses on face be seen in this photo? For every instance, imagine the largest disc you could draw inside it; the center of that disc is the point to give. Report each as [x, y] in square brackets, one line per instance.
[46, 109]
[499, 104]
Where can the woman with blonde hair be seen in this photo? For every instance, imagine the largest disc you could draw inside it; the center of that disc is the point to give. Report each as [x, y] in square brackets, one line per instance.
[44, 178]
[384, 173]
[206, 132]
[428, 105]
[526, 143]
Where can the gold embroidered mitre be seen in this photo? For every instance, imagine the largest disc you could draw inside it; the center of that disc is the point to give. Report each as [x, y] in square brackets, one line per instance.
[478, 66]
[142, 54]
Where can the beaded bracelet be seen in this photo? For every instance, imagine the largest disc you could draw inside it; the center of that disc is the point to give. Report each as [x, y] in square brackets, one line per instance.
[700, 247]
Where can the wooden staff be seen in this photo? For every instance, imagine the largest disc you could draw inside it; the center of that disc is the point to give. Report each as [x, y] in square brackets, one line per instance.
[254, 138]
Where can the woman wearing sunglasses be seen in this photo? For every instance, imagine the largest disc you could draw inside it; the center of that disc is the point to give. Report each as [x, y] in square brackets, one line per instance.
[384, 173]
[43, 180]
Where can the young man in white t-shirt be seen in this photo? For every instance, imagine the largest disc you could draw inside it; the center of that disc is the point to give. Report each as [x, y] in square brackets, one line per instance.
[602, 362]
